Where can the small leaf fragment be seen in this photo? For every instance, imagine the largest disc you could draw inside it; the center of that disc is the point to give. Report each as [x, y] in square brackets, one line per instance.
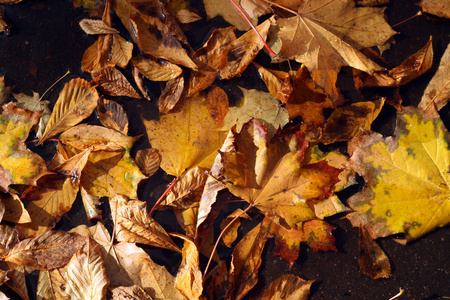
[372, 259]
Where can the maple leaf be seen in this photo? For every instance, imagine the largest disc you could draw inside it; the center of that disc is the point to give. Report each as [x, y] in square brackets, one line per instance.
[403, 174]
[326, 35]
[18, 165]
[288, 287]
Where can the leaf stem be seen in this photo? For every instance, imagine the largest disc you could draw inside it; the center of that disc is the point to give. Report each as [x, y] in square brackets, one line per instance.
[220, 236]
[59, 79]
[281, 6]
[253, 27]
[169, 188]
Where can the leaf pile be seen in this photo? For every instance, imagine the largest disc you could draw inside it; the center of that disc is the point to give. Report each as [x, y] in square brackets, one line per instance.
[266, 149]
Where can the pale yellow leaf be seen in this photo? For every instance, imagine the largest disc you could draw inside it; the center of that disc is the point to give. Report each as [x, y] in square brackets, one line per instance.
[91, 26]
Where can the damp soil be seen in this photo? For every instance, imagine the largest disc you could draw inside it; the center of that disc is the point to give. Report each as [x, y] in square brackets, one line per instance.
[46, 41]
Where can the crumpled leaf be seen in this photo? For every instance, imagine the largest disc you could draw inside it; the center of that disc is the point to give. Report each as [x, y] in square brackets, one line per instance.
[171, 94]
[259, 105]
[186, 138]
[148, 161]
[76, 101]
[156, 69]
[50, 250]
[240, 52]
[18, 165]
[245, 263]
[372, 259]
[112, 115]
[288, 287]
[436, 7]
[134, 225]
[85, 136]
[437, 92]
[91, 26]
[278, 82]
[326, 35]
[86, 273]
[403, 174]
[34, 103]
[112, 82]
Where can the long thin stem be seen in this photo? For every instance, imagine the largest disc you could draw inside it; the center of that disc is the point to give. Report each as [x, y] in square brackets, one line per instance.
[281, 6]
[164, 195]
[254, 28]
[220, 237]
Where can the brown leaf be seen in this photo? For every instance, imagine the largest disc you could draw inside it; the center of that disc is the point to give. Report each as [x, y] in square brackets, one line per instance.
[288, 287]
[18, 283]
[436, 7]
[155, 38]
[148, 161]
[73, 166]
[49, 250]
[134, 292]
[139, 81]
[52, 285]
[207, 59]
[112, 115]
[85, 136]
[240, 53]
[90, 204]
[8, 238]
[187, 218]
[76, 102]
[156, 70]
[171, 94]
[13, 210]
[47, 203]
[134, 225]
[91, 26]
[216, 281]
[186, 192]
[278, 82]
[245, 263]
[112, 82]
[217, 104]
[86, 273]
[232, 232]
[372, 259]
[122, 51]
[189, 277]
[186, 16]
[98, 55]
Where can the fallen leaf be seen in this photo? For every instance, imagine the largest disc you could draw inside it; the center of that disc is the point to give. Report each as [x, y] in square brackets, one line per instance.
[98, 55]
[35, 104]
[259, 105]
[134, 292]
[5, 91]
[76, 101]
[217, 104]
[437, 92]
[18, 165]
[134, 225]
[216, 281]
[91, 26]
[278, 82]
[73, 166]
[112, 82]
[14, 210]
[91, 204]
[436, 7]
[288, 287]
[403, 174]
[156, 70]
[51, 285]
[122, 51]
[245, 263]
[372, 259]
[187, 218]
[347, 122]
[186, 138]
[138, 79]
[240, 52]
[8, 238]
[112, 115]
[189, 276]
[148, 161]
[47, 203]
[18, 283]
[186, 16]
[231, 234]
[50, 250]
[85, 136]
[171, 94]
[208, 58]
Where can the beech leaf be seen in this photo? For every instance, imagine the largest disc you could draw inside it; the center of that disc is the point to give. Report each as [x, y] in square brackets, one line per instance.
[91, 26]
[51, 285]
[112, 82]
[148, 161]
[171, 94]
[112, 115]
[288, 287]
[134, 292]
[156, 70]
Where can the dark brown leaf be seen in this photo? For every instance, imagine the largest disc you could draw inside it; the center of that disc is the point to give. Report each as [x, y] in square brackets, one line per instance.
[372, 259]
[112, 82]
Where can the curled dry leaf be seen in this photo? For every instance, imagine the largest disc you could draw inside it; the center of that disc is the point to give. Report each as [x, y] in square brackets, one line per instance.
[90, 204]
[50, 250]
[134, 225]
[18, 165]
[112, 115]
[171, 94]
[76, 102]
[288, 287]
[98, 138]
[240, 52]
[148, 161]
[207, 59]
[372, 259]
[138, 79]
[156, 70]
[186, 16]
[186, 192]
[112, 82]
[14, 210]
[436, 7]
[8, 238]
[232, 232]
[437, 92]
[91, 26]
[217, 104]
[134, 292]
[73, 166]
[278, 82]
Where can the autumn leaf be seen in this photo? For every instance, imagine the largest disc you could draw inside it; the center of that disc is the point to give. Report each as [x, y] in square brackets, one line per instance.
[259, 105]
[372, 259]
[148, 161]
[130, 292]
[437, 91]
[18, 165]
[186, 138]
[436, 7]
[14, 210]
[171, 94]
[112, 115]
[76, 101]
[232, 232]
[112, 82]
[403, 174]
[51, 285]
[134, 225]
[288, 287]
[139, 80]
[217, 104]
[91, 26]
[34, 103]
[156, 69]
[8, 238]
[49, 250]
[278, 82]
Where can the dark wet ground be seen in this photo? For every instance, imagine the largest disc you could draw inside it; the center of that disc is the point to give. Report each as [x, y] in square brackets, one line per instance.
[46, 41]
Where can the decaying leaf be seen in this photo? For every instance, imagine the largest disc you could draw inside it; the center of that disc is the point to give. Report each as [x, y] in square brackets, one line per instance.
[436, 7]
[217, 104]
[91, 26]
[112, 115]
[148, 161]
[18, 165]
[403, 174]
[372, 259]
[288, 287]
[112, 82]
[156, 70]
[134, 225]
[76, 102]
[171, 94]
